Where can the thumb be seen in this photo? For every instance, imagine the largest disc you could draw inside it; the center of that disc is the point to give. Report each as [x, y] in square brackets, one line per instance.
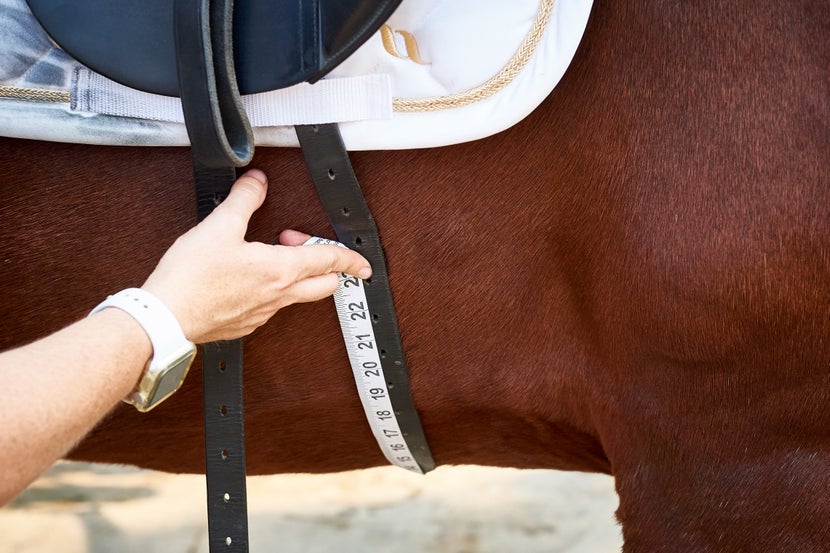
[245, 197]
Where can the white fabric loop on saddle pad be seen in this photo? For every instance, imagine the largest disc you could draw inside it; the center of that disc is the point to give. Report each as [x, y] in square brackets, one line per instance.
[439, 72]
[330, 100]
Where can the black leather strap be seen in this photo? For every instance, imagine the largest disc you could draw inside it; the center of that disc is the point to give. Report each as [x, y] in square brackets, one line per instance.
[344, 204]
[225, 447]
[221, 138]
[223, 406]
[219, 131]
[212, 186]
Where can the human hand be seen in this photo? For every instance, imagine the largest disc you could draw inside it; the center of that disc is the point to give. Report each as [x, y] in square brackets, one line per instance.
[221, 287]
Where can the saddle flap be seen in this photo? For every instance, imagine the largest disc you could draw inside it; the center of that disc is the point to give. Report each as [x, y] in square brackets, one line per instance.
[277, 43]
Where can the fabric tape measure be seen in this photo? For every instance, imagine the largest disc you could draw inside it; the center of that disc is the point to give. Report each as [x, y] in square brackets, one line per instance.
[364, 358]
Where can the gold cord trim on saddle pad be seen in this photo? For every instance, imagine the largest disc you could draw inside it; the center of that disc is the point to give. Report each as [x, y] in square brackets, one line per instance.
[495, 83]
[35, 94]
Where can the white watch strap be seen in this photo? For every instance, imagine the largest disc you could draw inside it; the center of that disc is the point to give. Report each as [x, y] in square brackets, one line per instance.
[158, 322]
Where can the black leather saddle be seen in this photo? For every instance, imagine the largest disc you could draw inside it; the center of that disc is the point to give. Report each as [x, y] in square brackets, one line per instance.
[208, 52]
[276, 43]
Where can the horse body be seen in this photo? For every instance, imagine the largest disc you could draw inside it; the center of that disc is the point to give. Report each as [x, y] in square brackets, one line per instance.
[634, 280]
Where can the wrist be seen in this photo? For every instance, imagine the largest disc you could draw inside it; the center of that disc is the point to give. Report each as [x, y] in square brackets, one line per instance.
[172, 353]
[133, 342]
[173, 302]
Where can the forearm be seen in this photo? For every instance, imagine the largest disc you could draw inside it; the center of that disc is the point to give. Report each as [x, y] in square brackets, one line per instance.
[55, 390]
[217, 286]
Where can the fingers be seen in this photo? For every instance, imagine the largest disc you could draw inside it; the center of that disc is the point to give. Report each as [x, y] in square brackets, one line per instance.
[246, 196]
[313, 288]
[293, 238]
[316, 259]
[308, 290]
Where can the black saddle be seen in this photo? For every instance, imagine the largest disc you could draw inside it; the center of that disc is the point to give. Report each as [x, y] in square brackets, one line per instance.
[276, 43]
[208, 52]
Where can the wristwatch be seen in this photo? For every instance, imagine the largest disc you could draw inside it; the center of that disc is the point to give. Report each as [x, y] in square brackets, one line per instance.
[172, 352]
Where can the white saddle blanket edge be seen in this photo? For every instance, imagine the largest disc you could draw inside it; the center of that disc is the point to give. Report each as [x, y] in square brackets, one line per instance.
[374, 128]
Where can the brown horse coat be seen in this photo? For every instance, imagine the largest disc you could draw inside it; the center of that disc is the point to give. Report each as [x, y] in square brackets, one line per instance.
[634, 280]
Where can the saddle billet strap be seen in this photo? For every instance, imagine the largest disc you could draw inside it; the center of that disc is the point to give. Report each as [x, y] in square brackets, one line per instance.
[225, 447]
[223, 405]
[212, 187]
[334, 178]
[221, 138]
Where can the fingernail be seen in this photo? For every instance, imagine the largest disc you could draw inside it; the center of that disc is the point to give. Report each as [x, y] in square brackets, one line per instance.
[364, 273]
[257, 175]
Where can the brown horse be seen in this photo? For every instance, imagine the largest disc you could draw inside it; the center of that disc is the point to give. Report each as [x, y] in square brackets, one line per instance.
[634, 280]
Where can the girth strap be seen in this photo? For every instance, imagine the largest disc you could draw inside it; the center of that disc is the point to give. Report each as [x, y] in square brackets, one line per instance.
[221, 139]
[328, 163]
[224, 420]
[225, 446]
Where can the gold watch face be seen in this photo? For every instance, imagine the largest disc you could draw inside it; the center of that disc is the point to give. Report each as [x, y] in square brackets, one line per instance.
[164, 377]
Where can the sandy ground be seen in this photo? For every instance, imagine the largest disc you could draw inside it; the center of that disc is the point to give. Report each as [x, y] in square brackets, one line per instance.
[81, 508]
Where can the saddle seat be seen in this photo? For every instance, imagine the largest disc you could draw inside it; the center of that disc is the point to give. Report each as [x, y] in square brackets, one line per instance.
[276, 43]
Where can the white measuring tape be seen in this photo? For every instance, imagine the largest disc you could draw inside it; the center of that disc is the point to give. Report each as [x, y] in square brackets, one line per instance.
[364, 357]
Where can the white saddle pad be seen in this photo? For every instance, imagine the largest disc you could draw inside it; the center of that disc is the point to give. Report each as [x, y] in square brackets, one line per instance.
[439, 72]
